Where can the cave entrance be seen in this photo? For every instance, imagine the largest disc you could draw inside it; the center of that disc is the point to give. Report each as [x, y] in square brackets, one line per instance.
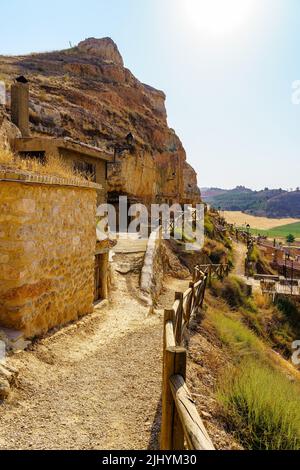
[113, 199]
[101, 278]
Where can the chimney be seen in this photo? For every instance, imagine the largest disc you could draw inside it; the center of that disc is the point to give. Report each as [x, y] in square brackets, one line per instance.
[20, 105]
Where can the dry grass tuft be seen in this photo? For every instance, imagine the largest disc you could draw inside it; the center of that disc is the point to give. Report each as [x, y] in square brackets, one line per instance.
[262, 301]
[6, 157]
[53, 166]
[262, 406]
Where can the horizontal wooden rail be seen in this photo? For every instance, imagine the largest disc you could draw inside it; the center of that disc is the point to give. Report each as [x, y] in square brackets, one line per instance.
[170, 338]
[194, 430]
[187, 293]
[180, 419]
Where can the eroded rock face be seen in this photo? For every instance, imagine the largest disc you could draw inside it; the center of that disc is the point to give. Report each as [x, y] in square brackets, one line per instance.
[86, 93]
[104, 48]
[8, 131]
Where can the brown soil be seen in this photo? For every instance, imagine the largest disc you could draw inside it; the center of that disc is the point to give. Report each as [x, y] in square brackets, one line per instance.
[240, 253]
[96, 384]
[206, 361]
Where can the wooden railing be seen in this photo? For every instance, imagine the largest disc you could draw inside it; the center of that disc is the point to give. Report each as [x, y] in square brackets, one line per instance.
[180, 419]
[214, 270]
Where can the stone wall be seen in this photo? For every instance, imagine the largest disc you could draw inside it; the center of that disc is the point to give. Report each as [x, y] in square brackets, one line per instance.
[47, 251]
[155, 264]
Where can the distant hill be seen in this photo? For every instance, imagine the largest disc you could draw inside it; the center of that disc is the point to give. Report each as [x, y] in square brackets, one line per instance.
[275, 203]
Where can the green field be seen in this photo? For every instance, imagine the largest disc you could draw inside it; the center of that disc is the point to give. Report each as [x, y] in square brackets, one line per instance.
[280, 232]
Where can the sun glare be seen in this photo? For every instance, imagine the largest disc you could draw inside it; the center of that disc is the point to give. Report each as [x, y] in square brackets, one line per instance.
[219, 17]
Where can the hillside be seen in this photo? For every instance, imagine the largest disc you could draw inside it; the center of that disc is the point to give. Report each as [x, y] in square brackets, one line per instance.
[85, 93]
[275, 203]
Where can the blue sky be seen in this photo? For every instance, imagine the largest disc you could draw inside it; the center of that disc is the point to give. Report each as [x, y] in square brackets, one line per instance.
[228, 78]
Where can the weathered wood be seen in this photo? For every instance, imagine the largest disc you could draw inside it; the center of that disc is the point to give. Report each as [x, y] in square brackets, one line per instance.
[169, 335]
[194, 429]
[179, 317]
[170, 423]
[188, 305]
[204, 290]
[191, 285]
[178, 429]
[198, 284]
[182, 420]
[168, 408]
[176, 307]
[187, 293]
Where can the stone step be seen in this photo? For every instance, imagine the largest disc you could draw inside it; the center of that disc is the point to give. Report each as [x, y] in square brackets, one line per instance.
[136, 246]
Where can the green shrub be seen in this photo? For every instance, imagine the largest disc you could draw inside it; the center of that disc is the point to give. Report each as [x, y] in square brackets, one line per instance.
[259, 262]
[261, 406]
[290, 311]
[234, 291]
[208, 226]
[237, 336]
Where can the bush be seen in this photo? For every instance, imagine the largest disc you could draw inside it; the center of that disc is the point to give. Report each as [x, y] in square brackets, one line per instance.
[216, 251]
[237, 336]
[208, 226]
[261, 265]
[234, 291]
[290, 311]
[262, 407]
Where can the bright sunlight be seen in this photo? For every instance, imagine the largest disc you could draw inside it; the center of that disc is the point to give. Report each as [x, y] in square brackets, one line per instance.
[220, 17]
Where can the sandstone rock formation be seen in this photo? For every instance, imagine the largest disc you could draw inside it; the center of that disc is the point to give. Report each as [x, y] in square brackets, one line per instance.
[104, 48]
[86, 93]
[8, 130]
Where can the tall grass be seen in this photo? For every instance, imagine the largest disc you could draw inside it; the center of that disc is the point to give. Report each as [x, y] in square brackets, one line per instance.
[237, 336]
[54, 166]
[259, 402]
[234, 291]
[262, 407]
[6, 157]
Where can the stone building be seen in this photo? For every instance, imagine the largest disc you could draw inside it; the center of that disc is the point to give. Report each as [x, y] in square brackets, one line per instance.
[52, 270]
[85, 159]
[47, 251]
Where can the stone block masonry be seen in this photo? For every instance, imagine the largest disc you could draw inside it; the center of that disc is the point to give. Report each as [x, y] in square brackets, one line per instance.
[47, 251]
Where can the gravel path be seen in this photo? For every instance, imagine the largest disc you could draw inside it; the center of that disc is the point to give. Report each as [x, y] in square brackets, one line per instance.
[240, 253]
[95, 384]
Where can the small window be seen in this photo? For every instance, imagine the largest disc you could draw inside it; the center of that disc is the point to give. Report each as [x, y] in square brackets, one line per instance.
[88, 170]
[34, 155]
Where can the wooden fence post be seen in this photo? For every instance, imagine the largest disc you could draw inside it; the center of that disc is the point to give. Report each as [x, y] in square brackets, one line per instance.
[169, 315]
[180, 369]
[191, 301]
[172, 434]
[209, 274]
[178, 326]
[204, 290]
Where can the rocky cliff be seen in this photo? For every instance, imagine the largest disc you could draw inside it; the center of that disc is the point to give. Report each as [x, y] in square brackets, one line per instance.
[87, 94]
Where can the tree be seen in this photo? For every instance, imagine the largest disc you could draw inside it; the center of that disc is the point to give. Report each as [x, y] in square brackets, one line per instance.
[290, 238]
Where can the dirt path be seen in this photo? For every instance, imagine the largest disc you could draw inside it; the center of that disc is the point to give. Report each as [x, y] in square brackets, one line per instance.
[95, 384]
[240, 253]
